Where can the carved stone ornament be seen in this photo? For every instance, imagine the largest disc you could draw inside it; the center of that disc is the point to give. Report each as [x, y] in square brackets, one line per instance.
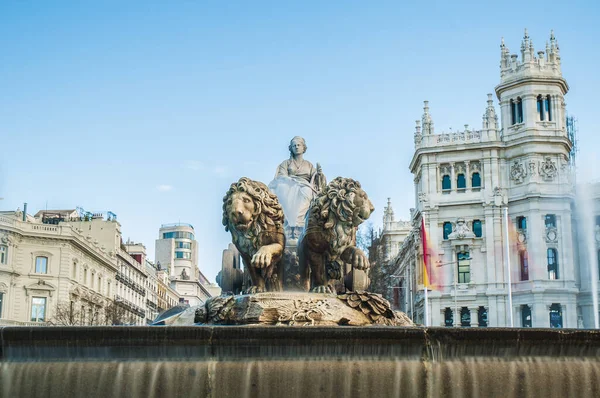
[532, 168]
[475, 167]
[497, 191]
[551, 234]
[288, 309]
[461, 231]
[518, 172]
[548, 168]
[422, 197]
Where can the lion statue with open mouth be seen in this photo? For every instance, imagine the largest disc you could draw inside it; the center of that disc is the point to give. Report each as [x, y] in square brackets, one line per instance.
[327, 249]
[254, 217]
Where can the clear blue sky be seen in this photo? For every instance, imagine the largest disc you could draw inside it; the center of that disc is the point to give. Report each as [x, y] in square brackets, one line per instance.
[151, 109]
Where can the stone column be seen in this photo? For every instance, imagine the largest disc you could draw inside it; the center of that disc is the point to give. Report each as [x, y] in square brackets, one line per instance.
[468, 175]
[474, 316]
[452, 182]
[540, 314]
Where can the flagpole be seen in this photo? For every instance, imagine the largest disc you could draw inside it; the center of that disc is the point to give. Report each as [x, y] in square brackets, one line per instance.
[426, 308]
[510, 311]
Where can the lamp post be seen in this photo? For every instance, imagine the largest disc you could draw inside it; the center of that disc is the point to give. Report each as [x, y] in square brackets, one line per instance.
[455, 284]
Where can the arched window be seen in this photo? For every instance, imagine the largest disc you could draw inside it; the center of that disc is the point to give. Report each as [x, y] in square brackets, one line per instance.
[548, 108]
[447, 229]
[477, 230]
[524, 265]
[522, 223]
[519, 110]
[74, 271]
[41, 265]
[448, 317]
[552, 264]
[464, 267]
[446, 183]
[461, 182]
[513, 112]
[475, 180]
[482, 316]
[465, 317]
[526, 316]
[556, 320]
[540, 107]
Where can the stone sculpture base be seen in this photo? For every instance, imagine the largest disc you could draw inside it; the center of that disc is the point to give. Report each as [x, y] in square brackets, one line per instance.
[291, 309]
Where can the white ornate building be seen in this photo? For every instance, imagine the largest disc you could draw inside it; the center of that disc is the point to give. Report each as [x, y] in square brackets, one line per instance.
[519, 160]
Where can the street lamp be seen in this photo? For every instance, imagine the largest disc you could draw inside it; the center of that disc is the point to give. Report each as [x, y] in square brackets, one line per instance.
[455, 281]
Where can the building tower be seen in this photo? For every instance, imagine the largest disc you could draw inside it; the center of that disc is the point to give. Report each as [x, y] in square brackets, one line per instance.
[177, 253]
[539, 184]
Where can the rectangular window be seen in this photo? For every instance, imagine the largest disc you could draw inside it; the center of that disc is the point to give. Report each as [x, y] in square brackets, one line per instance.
[185, 255]
[1, 300]
[482, 317]
[447, 229]
[464, 267]
[550, 220]
[3, 254]
[38, 309]
[522, 222]
[477, 230]
[526, 316]
[183, 245]
[41, 265]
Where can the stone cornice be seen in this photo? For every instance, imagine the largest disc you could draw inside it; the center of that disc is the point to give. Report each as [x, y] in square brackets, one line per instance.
[524, 81]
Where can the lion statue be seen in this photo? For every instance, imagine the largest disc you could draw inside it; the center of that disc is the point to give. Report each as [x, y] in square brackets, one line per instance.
[254, 217]
[327, 249]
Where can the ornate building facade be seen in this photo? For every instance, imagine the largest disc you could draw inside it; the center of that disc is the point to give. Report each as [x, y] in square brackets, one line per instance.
[519, 162]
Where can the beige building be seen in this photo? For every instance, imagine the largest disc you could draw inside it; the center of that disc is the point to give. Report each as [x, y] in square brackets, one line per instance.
[465, 180]
[52, 272]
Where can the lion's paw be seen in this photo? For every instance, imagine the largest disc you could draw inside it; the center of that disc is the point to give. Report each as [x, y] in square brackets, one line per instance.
[254, 290]
[322, 289]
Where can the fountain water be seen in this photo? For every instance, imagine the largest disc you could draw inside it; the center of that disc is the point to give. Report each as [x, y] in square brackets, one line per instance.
[586, 220]
[237, 361]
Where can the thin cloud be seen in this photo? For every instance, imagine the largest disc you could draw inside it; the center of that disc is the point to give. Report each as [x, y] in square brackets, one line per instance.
[164, 188]
[220, 171]
[195, 165]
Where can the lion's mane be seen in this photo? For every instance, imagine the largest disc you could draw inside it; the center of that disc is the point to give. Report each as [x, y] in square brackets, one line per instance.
[332, 212]
[268, 214]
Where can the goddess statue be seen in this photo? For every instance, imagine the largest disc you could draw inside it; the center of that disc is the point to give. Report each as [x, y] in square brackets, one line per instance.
[296, 183]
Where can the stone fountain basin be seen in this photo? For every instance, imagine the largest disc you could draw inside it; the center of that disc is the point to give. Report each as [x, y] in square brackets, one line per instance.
[267, 361]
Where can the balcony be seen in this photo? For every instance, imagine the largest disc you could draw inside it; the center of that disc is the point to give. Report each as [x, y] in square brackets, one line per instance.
[128, 305]
[124, 279]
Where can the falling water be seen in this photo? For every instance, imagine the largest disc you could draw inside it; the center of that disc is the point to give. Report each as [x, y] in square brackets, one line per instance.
[586, 219]
[263, 362]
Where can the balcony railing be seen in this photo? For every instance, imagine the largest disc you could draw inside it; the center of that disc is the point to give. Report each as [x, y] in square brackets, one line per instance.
[124, 279]
[130, 306]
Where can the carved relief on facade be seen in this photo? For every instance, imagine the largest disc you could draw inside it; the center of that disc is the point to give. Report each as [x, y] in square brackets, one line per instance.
[422, 197]
[475, 167]
[445, 169]
[461, 230]
[459, 168]
[551, 235]
[548, 169]
[518, 172]
[531, 168]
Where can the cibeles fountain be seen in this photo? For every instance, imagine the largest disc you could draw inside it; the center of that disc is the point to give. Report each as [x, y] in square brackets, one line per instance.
[298, 321]
[297, 241]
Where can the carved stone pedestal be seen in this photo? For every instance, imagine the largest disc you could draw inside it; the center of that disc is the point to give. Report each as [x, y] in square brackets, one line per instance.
[292, 309]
